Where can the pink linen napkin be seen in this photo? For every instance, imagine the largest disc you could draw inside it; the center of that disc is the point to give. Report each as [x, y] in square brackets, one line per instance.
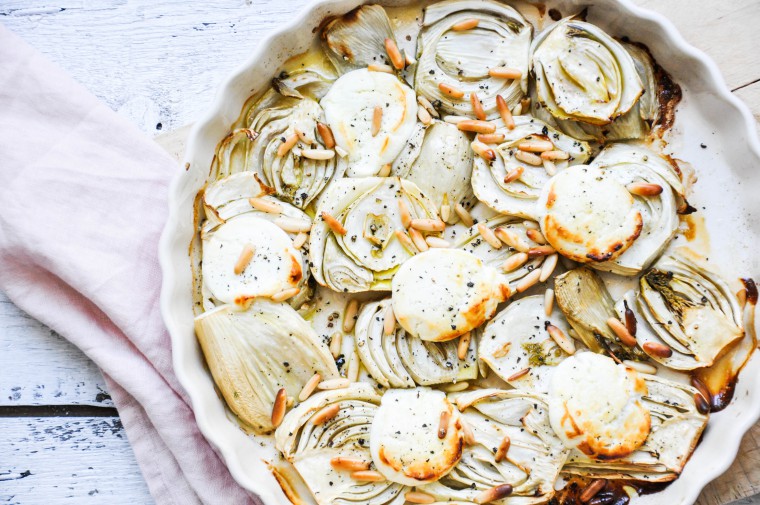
[83, 196]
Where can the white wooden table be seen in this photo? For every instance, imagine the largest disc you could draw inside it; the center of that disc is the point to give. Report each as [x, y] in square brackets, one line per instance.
[159, 63]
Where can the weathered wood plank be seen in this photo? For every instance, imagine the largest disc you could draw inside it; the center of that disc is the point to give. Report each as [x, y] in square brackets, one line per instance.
[39, 367]
[68, 461]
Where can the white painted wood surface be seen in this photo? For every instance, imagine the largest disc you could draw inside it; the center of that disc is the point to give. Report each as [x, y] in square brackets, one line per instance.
[159, 63]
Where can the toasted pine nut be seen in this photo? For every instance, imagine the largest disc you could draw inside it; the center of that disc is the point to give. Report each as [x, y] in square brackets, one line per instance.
[397, 59]
[529, 158]
[512, 239]
[477, 126]
[495, 493]
[406, 216]
[535, 146]
[285, 294]
[424, 116]
[385, 170]
[353, 367]
[418, 497]
[477, 107]
[528, 281]
[657, 349]
[536, 236]
[491, 138]
[467, 24]
[309, 387]
[336, 342]
[353, 464]
[542, 250]
[428, 224]
[489, 236]
[629, 319]
[505, 73]
[437, 243]
[514, 262]
[265, 205]
[331, 384]
[456, 387]
[327, 135]
[405, 240]
[246, 255]
[548, 302]
[377, 120]
[464, 345]
[702, 388]
[519, 374]
[418, 240]
[621, 331]
[305, 137]
[300, 240]
[548, 266]
[469, 436]
[550, 167]
[514, 174]
[483, 150]
[455, 119]
[445, 212]
[349, 316]
[389, 321]
[554, 155]
[592, 489]
[368, 476]
[427, 105]
[463, 214]
[503, 449]
[292, 225]
[333, 223]
[379, 67]
[287, 145]
[640, 366]
[325, 414]
[443, 424]
[504, 112]
[644, 189]
[318, 154]
[279, 406]
[450, 90]
[563, 341]
[502, 351]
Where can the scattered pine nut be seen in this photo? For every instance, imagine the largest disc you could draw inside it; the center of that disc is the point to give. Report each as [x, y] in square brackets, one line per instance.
[300, 240]
[325, 414]
[336, 341]
[455, 119]
[504, 112]
[309, 387]
[502, 351]
[657, 349]
[333, 223]
[548, 302]
[368, 476]
[550, 167]
[385, 170]
[287, 145]
[443, 424]
[514, 174]
[446, 211]
[467, 24]
[644, 189]
[379, 67]
[640, 366]
[450, 90]
[563, 341]
[406, 216]
[349, 316]
[489, 236]
[512, 239]
[503, 449]
[554, 155]
[491, 138]
[418, 240]
[353, 367]
[630, 319]
[476, 125]
[477, 107]
[285, 294]
[424, 116]
[331, 384]
[592, 490]
[493, 494]
[427, 105]
[389, 321]
[397, 59]
[463, 214]
[246, 255]
[265, 205]
[278, 409]
[548, 266]
[305, 137]
[542, 250]
[292, 225]
[405, 240]
[437, 242]
[536, 236]
[505, 73]
[528, 281]
[318, 154]
[621, 331]
[428, 224]
[353, 464]
[529, 158]
[327, 135]
[456, 387]
[418, 497]
[464, 345]
[469, 436]
[535, 146]
[377, 120]
[517, 375]
[514, 262]
[483, 150]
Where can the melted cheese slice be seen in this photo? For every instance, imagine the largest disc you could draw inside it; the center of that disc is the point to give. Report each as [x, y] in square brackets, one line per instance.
[276, 265]
[588, 215]
[441, 294]
[595, 406]
[404, 438]
[349, 109]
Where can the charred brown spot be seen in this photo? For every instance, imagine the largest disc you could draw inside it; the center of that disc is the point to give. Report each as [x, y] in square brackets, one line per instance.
[296, 273]
[751, 288]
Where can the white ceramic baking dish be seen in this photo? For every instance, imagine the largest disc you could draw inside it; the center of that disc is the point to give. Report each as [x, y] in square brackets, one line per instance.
[729, 176]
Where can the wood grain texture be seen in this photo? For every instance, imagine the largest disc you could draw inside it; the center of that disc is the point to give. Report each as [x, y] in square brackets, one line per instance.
[73, 461]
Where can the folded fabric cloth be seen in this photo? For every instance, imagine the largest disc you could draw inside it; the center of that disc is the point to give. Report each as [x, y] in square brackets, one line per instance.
[84, 197]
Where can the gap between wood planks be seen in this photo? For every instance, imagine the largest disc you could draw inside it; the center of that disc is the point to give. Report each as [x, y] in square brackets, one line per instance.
[57, 411]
